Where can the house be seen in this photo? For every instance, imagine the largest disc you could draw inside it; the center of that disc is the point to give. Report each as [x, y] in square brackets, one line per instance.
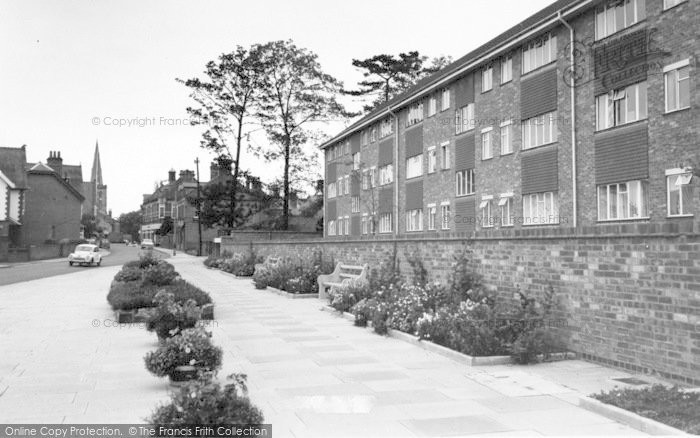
[13, 187]
[507, 138]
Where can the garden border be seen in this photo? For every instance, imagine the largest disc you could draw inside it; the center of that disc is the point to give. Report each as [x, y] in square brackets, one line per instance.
[283, 293]
[444, 351]
[130, 316]
[629, 418]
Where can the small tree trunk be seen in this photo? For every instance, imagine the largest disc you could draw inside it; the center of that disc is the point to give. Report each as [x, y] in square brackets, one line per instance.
[236, 169]
[285, 206]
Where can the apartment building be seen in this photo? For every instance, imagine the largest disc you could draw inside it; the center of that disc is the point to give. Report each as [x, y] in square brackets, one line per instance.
[583, 115]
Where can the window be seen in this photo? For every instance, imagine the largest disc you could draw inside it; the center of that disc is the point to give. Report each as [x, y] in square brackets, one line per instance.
[432, 159]
[445, 215]
[506, 69]
[356, 161]
[347, 225]
[486, 144]
[385, 222]
[373, 177]
[414, 166]
[347, 184]
[540, 209]
[464, 182]
[365, 137]
[332, 190]
[365, 179]
[613, 16]
[386, 174]
[414, 220]
[373, 134]
[679, 192]
[415, 113]
[432, 216]
[331, 228]
[625, 200]
[486, 214]
[445, 155]
[161, 211]
[486, 79]
[445, 99]
[668, 4]
[677, 86]
[506, 206]
[539, 52]
[622, 106]
[365, 224]
[464, 119]
[386, 128]
[539, 130]
[432, 105]
[355, 204]
[506, 138]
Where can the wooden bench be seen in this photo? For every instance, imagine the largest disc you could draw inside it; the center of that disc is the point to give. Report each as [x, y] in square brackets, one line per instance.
[269, 261]
[342, 274]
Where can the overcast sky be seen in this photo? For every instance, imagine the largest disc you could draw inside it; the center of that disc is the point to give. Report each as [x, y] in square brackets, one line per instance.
[70, 69]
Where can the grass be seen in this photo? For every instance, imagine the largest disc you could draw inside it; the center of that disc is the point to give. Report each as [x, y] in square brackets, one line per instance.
[671, 406]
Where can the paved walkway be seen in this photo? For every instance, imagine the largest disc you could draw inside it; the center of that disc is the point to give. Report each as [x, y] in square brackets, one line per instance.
[311, 372]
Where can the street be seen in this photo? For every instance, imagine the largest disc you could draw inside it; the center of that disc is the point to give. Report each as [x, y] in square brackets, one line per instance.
[119, 254]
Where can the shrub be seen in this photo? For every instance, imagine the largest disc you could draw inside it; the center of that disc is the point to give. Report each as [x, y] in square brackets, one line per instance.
[129, 295]
[532, 343]
[191, 347]
[143, 262]
[161, 274]
[210, 261]
[171, 317]
[129, 274]
[345, 297]
[183, 291]
[261, 278]
[205, 401]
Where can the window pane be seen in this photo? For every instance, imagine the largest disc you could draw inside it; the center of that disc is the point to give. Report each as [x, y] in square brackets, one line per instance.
[642, 100]
[683, 87]
[635, 209]
[674, 196]
[687, 192]
[609, 21]
[671, 91]
[620, 16]
[641, 10]
[612, 201]
[600, 24]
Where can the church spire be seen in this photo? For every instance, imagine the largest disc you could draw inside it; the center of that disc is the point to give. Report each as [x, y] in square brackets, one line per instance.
[96, 177]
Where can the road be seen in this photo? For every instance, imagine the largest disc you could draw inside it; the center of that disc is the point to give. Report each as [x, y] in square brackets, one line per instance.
[15, 273]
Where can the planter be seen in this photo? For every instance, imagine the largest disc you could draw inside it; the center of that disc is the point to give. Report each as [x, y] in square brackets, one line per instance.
[124, 316]
[183, 374]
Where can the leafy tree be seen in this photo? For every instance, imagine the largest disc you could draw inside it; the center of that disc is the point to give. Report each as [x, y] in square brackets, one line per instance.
[216, 204]
[166, 227]
[89, 223]
[130, 223]
[297, 96]
[387, 76]
[227, 99]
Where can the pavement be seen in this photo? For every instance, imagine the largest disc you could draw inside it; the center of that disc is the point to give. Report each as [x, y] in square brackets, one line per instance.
[312, 373]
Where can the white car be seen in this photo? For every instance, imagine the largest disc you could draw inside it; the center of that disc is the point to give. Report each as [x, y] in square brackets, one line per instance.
[147, 244]
[85, 255]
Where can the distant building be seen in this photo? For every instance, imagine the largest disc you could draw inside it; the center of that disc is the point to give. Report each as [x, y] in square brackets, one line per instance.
[13, 186]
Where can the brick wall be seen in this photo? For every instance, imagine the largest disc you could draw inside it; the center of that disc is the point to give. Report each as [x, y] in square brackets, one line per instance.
[631, 292]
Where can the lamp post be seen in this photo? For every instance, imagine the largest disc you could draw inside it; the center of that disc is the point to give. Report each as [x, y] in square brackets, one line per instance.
[199, 210]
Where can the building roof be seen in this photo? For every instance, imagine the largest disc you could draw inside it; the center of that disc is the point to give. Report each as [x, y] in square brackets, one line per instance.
[12, 162]
[43, 169]
[455, 68]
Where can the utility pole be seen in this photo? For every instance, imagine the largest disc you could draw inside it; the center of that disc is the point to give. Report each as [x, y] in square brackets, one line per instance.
[174, 220]
[199, 211]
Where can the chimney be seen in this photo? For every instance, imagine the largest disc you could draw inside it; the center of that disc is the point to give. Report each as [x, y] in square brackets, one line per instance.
[171, 176]
[213, 171]
[55, 162]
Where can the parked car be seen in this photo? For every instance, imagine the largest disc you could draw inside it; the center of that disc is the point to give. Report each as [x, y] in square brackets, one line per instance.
[147, 244]
[85, 254]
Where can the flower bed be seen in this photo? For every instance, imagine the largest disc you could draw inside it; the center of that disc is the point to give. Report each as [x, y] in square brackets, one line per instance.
[462, 315]
[241, 265]
[293, 277]
[672, 406]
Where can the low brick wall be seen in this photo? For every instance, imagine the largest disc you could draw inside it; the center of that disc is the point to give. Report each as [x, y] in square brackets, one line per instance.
[40, 252]
[632, 293]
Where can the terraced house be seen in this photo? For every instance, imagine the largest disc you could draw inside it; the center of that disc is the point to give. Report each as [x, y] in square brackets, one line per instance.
[582, 115]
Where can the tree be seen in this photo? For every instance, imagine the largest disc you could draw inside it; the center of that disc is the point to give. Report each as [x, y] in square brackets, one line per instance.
[226, 99]
[89, 223]
[166, 227]
[215, 206]
[387, 76]
[297, 95]
[130, 223]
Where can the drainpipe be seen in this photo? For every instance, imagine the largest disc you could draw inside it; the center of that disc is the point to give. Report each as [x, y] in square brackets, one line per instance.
[572, 85]
[396, 171]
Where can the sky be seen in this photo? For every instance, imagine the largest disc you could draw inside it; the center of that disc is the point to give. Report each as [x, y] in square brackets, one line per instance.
[79, 71]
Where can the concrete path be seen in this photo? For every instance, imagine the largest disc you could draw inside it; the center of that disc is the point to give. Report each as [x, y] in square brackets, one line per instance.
[312, 373]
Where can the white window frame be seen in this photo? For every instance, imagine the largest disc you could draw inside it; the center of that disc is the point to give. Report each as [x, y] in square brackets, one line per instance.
[506, 69]
[507, 137]
[331, 227]
[365, 179]
[445, 212]
[486, 143]
[414, 220]
[616, 103]
[465, 182]
[672, 72]
[680, 178]
[432, 105]
[623, 210]
[386, 174]
[414, 166]
[365, 223]
[332, 190]
[415, 113]
[432, 159]
[373, 176]
[445, 99]
[445, 155]
[464, 119]
[608, 11]
[347, 184]
[538, 53]
[432, 217]
[356, 158]
[347, 225]
[487, 219]
[386, 128]
[364, 136]
[487, 79]
[385, 223]
[534, 136]
[373, 134]
[355, 204]
[536, 203]
[505, 203]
